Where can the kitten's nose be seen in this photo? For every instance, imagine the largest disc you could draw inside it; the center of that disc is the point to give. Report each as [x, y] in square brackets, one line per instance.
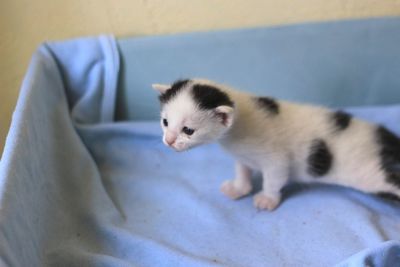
[170, 139]
[170, 142]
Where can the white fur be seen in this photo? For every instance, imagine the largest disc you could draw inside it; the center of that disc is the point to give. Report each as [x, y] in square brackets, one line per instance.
[276, 145]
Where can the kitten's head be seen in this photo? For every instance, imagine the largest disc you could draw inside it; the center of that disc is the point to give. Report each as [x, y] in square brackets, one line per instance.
[193, 112]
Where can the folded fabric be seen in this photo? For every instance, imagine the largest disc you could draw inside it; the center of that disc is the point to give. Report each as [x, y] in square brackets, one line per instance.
[385, 255]
[79, 189]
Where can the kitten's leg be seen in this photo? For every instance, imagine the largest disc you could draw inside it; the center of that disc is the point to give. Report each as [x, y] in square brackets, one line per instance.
[241, 185]
[274, 179]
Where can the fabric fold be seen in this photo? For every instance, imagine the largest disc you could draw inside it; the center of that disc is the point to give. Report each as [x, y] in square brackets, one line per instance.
[80, 189]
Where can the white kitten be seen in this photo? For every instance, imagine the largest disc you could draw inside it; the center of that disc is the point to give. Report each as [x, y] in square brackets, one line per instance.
[282, 140]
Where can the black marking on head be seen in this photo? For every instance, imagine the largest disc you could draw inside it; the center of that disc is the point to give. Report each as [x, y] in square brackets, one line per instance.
[341, 120]
[390, 154]
[320, 159]
[173, 91]
[388, 196]
[210, 97]
[269, 104]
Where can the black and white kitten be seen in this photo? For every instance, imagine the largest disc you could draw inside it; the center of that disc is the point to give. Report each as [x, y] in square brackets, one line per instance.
[280, 139]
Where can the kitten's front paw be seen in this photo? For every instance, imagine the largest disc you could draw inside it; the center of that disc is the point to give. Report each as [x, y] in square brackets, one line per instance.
[263, 201]
[230, 190]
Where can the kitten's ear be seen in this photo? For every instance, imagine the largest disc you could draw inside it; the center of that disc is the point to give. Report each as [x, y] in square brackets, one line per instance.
[225, 115]
[161, 88]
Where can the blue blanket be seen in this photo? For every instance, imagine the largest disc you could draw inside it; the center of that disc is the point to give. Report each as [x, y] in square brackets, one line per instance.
[79, 189]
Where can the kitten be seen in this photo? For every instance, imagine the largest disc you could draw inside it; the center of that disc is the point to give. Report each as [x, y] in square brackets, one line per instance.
[280, 139]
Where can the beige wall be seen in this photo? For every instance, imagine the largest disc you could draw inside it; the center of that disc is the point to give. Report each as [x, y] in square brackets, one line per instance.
[25, 23]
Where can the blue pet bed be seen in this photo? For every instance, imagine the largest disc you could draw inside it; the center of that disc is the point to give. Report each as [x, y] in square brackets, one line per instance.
[86, 181]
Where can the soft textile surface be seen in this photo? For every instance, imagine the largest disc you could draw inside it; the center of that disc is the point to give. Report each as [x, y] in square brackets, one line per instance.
[346, 63]
[110, 194]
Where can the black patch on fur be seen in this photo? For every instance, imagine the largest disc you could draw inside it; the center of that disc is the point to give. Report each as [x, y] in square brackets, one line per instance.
[390, 154]
[388, 196]
[320, 159]
[269, 104]
[341, 120]
[171, 93]
[210, 97]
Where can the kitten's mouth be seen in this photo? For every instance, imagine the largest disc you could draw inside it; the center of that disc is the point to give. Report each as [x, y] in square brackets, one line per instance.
[178, 149]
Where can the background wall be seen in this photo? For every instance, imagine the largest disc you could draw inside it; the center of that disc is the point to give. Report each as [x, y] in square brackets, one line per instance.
[24, 24]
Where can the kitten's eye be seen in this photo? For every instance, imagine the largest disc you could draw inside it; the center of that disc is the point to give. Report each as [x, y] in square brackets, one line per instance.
[187, 130]
[165, 122]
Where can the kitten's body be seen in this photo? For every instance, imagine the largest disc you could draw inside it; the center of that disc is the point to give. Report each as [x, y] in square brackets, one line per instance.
[286, 140]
